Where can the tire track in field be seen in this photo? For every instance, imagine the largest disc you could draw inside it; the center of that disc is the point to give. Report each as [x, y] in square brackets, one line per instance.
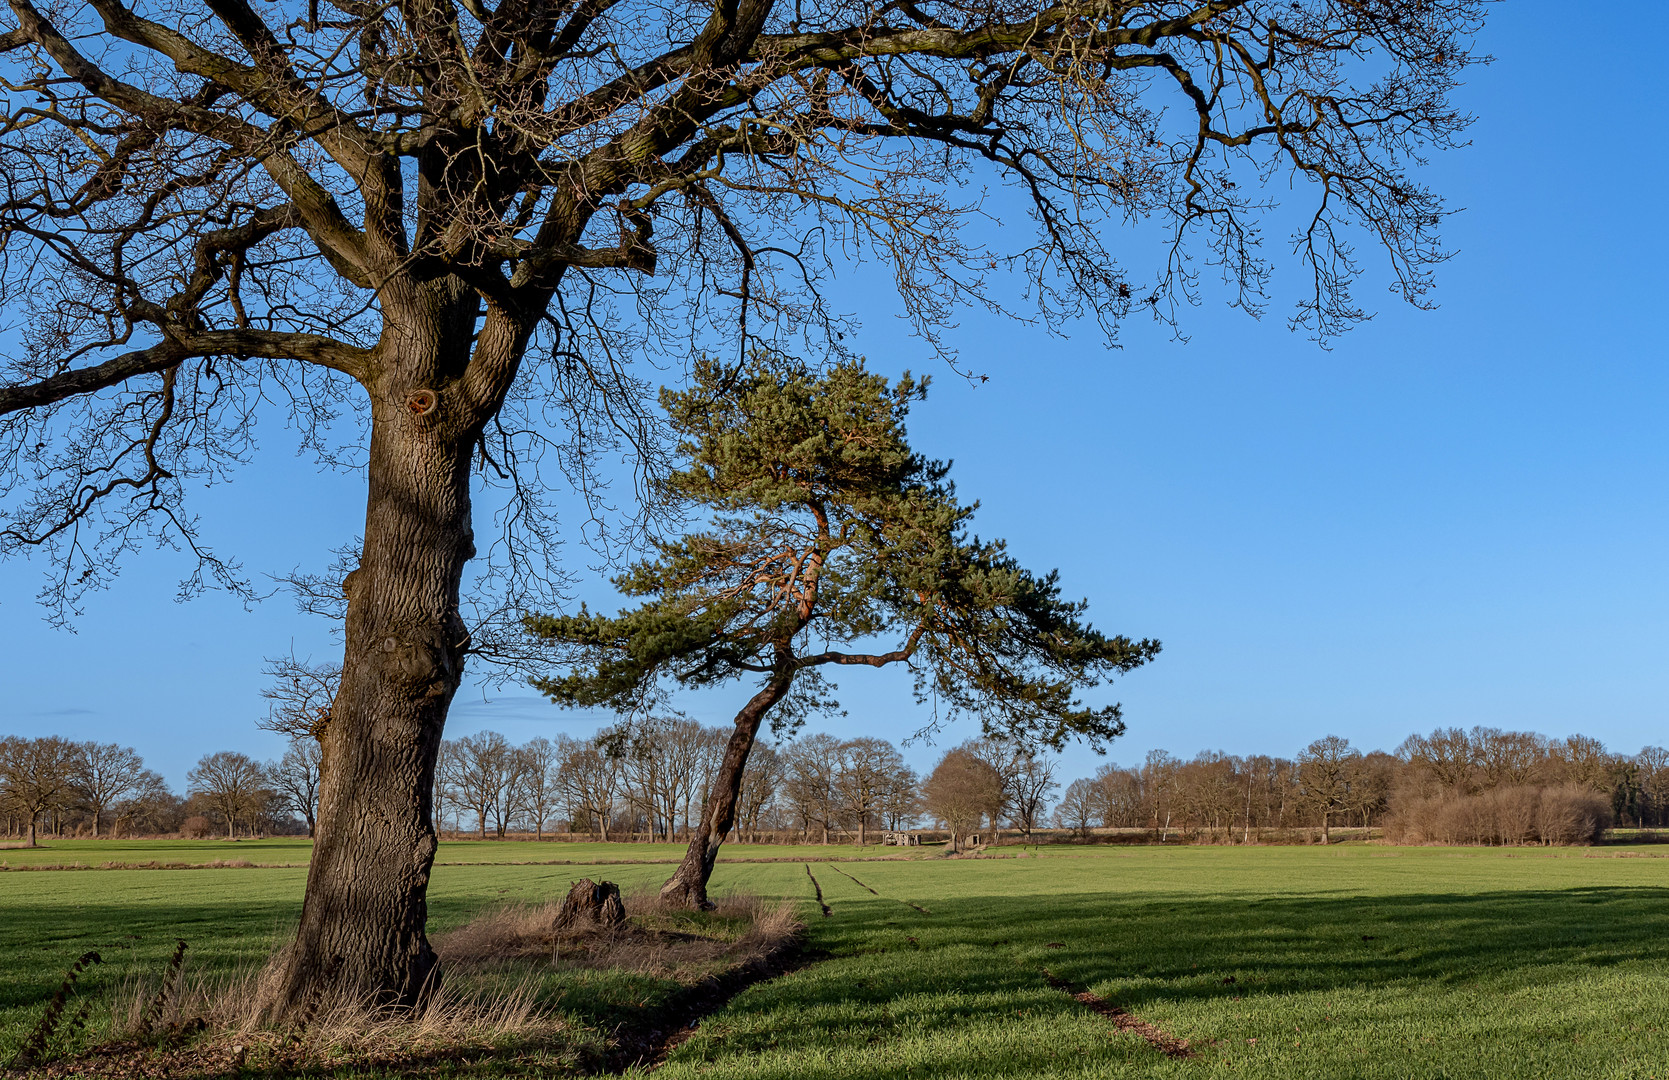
[827, 911]
[860, 884]
[1171, 1046]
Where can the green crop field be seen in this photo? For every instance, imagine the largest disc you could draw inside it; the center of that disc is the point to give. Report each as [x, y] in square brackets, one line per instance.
[1354, 961]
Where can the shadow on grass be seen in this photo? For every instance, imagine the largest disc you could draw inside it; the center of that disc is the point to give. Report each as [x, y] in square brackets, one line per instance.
[976, 965]
[899, 978]
[1307, 944]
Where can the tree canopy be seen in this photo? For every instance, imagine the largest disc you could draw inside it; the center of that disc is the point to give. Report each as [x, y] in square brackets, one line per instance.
[828, 534]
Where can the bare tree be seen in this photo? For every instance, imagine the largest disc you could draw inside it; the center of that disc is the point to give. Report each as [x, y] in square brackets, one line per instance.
[760, 786]
[1257, 778]
[865, 770]
[1158, 774]
[1371, 781]
[300, 694]
[295, 777]
[103, 774]
[1079, 806]
[960, 792]
[35, 774]
[537, 792]
[483, 779]
[1652, 764]
[1507, 758]
[1034, 781]
[901, 802]
[1326, 770]
[812, 762]
[1583, 760]
[233, 784]
[446, 787]
[1207, 790]
[591, 779]
[1004, 757]
[150, 809]
[686, 756]
[1447, 755]
[448, 221]
[656, 758]
[1120, 799]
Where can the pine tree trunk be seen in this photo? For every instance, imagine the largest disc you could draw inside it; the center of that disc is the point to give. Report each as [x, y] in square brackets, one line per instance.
[362, 924]
[688, 886]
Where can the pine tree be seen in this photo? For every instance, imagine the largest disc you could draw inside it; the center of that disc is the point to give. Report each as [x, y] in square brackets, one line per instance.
[825, 533]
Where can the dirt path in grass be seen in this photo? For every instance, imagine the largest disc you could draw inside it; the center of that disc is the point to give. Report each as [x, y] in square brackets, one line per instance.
[1163, 1041]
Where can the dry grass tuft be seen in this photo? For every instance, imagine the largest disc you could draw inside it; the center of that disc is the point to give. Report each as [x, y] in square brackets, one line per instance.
[213, 1026]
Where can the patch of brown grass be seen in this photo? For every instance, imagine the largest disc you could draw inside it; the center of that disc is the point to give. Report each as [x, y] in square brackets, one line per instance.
[180, 1024]
[212, 1026]
[658, 940]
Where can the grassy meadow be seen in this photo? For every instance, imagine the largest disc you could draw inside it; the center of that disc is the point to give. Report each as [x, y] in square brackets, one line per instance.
[1359, 960]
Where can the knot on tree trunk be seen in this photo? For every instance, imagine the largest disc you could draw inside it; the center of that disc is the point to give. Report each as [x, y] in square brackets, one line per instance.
[594, 902]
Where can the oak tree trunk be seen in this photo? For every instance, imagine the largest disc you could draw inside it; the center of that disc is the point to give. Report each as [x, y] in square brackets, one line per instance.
[688, 885]
[362, 923]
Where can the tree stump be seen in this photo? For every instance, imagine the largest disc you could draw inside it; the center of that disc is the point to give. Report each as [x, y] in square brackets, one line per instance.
[594, 902]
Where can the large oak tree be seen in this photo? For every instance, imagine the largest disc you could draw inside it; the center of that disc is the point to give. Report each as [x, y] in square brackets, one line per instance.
[455, 224]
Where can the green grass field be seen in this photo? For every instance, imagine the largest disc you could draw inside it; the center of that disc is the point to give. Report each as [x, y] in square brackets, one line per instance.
[1355, 961]
[294, 851]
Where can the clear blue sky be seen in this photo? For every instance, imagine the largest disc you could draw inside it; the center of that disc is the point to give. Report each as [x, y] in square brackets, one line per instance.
[1454, 517]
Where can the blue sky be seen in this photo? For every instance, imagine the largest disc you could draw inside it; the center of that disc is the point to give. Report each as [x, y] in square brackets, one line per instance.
[1453, 517]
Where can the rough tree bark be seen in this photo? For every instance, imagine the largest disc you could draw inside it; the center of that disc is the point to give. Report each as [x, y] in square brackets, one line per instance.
[362, 924]
[688, 885]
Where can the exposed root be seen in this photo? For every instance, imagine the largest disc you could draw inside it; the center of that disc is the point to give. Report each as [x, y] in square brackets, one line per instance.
[1166, 1043]
[827, 911]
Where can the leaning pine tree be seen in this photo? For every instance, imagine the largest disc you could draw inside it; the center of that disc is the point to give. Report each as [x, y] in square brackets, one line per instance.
[829, 542]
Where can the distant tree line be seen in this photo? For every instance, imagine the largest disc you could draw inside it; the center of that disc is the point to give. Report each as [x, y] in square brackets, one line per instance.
[60, 787]
[647, 780]
[1485, 785]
